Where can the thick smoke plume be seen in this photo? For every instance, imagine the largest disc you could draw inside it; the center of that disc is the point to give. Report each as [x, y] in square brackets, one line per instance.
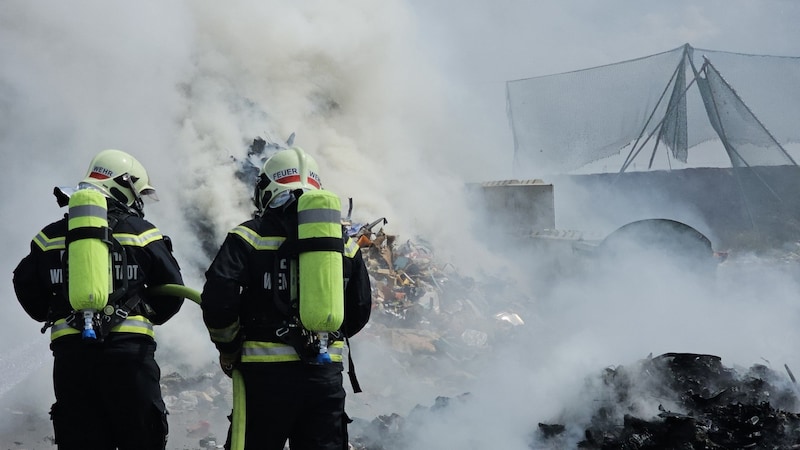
[402, 105]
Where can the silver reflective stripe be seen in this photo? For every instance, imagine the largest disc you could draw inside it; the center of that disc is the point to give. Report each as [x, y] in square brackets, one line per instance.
[336, 350]
[319, 215]
[59, 326]
[88, 211]
[139, 240]
[133, 323]
[269, 351]
[258, 242]
[226, 334]
[272, 349]
[45, 243]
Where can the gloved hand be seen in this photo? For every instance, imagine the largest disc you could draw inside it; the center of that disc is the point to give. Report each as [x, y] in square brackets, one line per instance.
[228, 362]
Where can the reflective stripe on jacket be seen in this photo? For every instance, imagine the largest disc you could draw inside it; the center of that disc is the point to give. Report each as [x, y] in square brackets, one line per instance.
[133, 324]
[256, 351]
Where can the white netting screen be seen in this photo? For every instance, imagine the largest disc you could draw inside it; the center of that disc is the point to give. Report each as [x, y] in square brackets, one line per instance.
[565, 121]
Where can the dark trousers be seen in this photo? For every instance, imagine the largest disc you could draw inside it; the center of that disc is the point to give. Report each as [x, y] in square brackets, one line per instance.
[300, 402]
[108, 395]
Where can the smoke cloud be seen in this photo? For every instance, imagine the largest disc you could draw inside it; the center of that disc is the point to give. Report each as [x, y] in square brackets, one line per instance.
[402, 104]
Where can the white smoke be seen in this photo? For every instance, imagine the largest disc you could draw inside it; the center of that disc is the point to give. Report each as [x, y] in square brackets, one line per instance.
[401, 104]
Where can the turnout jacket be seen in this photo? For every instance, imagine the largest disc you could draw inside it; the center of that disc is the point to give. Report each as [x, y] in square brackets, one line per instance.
[251, 292]
[39, 279]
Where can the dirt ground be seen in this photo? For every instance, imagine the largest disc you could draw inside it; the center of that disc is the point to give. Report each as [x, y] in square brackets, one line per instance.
[193, 425]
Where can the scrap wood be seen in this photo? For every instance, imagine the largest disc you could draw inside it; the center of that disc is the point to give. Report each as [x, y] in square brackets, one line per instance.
[413, 341]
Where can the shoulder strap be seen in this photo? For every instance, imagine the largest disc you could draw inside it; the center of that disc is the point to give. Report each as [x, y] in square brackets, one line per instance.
[351, 367]
[113, 221]
[288, 250]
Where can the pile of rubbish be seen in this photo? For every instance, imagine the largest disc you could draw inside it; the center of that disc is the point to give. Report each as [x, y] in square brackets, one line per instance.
[701, 404]
[425, 310]
[198, 406]
[424, 306]
[420, 305]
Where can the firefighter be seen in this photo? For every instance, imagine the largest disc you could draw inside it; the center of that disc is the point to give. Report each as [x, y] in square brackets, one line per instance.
[106, 385]
[250, 304]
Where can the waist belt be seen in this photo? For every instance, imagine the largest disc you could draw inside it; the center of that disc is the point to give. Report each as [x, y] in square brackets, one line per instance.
[257, 351]
[132, 324]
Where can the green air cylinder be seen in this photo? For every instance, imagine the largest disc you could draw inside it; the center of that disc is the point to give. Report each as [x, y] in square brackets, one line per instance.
[321, 277]
[89, 262]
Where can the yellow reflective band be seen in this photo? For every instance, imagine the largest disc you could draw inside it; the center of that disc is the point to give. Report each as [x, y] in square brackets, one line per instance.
[254, 351]
[256, 241]
[87, 208]
[350, 248]
[141, 240]
[47, 244]
[268, 352]
[87, 221]
[133, 324]
[226, 334]
[60, 328]
[319, 229]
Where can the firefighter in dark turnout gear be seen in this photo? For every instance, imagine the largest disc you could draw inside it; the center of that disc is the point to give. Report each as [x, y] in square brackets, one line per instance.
[250, 307]
[106, 389]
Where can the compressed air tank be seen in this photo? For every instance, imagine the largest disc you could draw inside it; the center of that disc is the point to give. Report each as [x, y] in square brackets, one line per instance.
[321, 277]
[88, 254]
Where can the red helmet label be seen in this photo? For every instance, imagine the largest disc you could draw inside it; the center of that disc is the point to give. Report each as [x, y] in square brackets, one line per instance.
[290, 175]
[100, 173]
[313, 179]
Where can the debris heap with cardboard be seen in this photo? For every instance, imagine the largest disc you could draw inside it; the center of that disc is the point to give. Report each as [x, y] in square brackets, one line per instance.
[425, 310]
[424, 306]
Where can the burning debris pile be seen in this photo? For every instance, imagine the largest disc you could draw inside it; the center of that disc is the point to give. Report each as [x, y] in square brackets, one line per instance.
[426, 314]
[422, 306]
[701, 404]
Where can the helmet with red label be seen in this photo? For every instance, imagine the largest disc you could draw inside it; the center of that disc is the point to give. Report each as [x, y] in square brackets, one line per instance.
[120, 176]
[283, 173]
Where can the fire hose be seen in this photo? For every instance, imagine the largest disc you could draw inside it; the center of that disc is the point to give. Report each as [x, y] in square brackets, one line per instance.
[238, 416]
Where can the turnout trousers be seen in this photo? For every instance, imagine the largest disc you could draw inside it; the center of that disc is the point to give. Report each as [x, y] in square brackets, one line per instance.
[107, 395]
[294, 401]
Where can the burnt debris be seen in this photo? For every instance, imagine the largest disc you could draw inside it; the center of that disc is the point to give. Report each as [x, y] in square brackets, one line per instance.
[701, 405]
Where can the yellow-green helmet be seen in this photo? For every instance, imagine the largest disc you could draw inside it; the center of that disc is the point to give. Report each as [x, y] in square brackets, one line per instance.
[284, 172]
[120, 176]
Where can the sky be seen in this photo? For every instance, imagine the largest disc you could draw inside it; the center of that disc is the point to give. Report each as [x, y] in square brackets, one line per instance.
[401, 103]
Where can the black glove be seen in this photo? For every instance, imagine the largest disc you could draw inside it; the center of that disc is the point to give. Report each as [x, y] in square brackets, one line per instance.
[229, 361]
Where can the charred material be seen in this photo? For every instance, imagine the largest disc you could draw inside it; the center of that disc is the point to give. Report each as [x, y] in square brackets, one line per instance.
[709, 406]
[395, 432]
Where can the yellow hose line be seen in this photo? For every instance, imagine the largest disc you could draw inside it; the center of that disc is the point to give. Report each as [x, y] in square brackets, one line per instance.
[239, 412]
[239, 405]
[176, 290]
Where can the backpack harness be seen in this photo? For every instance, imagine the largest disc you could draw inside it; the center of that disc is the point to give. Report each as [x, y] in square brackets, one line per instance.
[311, 346]
[115, 311]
